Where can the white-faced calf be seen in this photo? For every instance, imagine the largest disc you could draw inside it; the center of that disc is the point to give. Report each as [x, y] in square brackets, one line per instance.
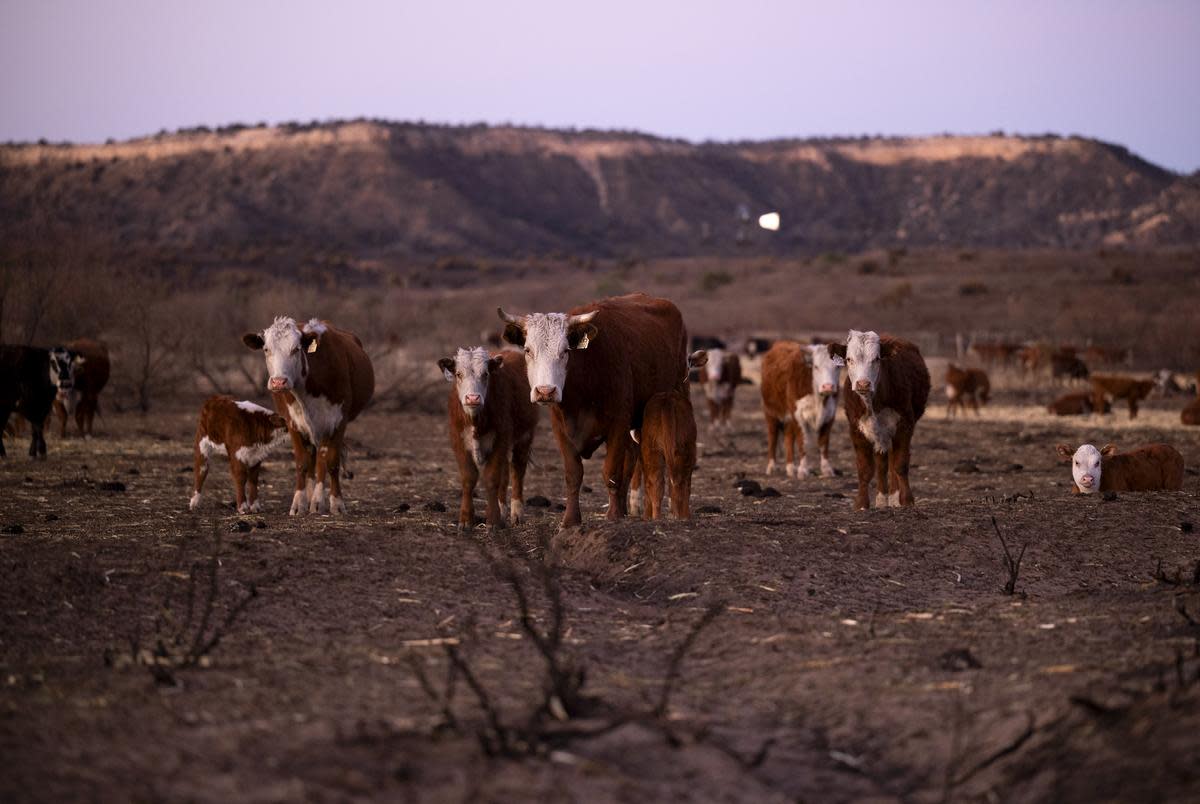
[1158, 467]
[243, 432]
[721, 379]
[491, 422]
[799, 390]
[885, 393]
[966, 386]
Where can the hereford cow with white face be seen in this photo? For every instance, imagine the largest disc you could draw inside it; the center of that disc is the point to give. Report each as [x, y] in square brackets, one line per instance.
[721, 378]
[320, 379]
[1158, 467]
[886, 389]
[596, 367]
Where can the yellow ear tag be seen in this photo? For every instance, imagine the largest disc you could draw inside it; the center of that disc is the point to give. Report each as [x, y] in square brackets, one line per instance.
[312, 347]
[583, 342]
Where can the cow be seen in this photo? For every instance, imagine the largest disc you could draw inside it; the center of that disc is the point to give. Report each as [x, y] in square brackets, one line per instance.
[1119, 386]
[1078, 403]
[491, 424]
[320, 379]
[885, 392]
[79, 392]
[1067, 366]
[668, 441]
[962, 386]
[1191, 414]
[27, 388]
[1103, 355]
[799, 391]
[721, 378]
[243, 432]
[1158, 467]
[596, 367]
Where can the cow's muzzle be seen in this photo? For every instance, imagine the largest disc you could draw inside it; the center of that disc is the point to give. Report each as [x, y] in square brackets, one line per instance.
[828, 389]
[545, 395]
[279, 384]
[471, 401]
[862, 387]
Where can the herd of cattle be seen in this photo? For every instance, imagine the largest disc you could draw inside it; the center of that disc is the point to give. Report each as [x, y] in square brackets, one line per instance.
[615, 373]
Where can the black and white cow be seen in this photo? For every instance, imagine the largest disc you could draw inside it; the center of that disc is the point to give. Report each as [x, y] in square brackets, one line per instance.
[28, 386]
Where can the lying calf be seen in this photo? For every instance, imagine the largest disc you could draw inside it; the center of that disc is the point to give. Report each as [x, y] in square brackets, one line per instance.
[245, 433]
[1158, 467]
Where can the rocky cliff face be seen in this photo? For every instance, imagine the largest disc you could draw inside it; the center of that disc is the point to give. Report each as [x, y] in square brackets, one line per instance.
[368, 189]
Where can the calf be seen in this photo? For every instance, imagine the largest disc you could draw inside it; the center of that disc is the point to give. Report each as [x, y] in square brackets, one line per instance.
[321, 379]
[243, 432]
[721, 379]
[79, 392]
[596, 367]
[886, 389]
[962, 385]
[26, 387]
[1078, 403]
[491, 420]
[799, 391]
[668, 440]
[1119, 386]
[1158, 467]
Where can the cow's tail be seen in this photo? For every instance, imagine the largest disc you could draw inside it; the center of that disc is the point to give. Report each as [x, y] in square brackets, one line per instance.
[344, 463]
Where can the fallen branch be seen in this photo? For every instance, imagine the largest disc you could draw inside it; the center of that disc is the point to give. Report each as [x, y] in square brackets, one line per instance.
[1013, 566]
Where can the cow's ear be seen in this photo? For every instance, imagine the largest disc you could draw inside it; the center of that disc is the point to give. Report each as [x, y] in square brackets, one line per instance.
[495, 363]
[697, 359]
[77, 360]
[1064, 451]
[837, 353]
[446, 364]
[253, 340]
[310, 341]
[514, 334]
[808, 358]
[277, 421]
[578, 337]
[1109, 450]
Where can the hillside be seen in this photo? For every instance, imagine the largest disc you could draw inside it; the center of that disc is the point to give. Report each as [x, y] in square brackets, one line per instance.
[389, 191]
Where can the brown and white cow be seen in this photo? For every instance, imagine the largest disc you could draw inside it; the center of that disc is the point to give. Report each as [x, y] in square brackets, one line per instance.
[596, 367]
[799, 390]
[886, 389]
[321, 379]
[722, 376]
[1077, 403]
[1119, 386]
[243, 432]
[491, 423]
[1158, 467]
[79, 392]
[668, 442]
[966, 385]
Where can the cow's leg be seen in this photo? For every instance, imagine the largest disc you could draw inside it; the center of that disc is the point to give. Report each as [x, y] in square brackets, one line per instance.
[974, 403]
[827, 469]
[199, 475]
[468, 474]
[238, 470]
[772, 442]
[901, 450]
[652, 473]
[4, 414]
[616, 480]
[864, 455]
[252, 504]
[495, 472]
[83, 416]
[635, 489]
[881, 480]
[502, 491]
[714, 411]
[1133, 406]
[302, 455]
[520, 462]
[808, 438]
[37, 442]
[333, 465]
[789, 438]
[681, 489]
[60, 413]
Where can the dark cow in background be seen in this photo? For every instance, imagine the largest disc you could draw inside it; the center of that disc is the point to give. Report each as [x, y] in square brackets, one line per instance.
[597, 366]
[966, 385]
[243, 432]
[26, 388]
[799, 390]
[79, 391]
[722, 375]
[320, 379]
[491, 424]
[1079, 403]
[886, 389]
[1067, 366]
[1119, 386]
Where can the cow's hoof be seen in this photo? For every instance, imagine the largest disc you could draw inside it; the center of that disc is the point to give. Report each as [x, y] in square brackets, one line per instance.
[790, 469]
[827, 469]
[243, 509]
[255, 507]
[804, 469]
[336, 505]
[770, 467]
[194, 503]
[299, 503]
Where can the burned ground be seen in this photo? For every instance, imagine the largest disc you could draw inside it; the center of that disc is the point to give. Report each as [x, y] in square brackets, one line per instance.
[857, 655]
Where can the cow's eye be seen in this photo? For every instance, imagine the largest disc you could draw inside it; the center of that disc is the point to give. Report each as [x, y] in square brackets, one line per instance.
[266, 350]
[528, 351]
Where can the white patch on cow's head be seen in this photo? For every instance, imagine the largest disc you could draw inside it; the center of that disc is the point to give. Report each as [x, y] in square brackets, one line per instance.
[63, 364]
[826, 370]
[862, 361]
[284, 347]
[716, 364]
[548, 339]
[469, 370]
[1085, 468]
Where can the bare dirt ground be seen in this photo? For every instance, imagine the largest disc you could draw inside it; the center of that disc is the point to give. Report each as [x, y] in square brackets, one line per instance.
[857, 656]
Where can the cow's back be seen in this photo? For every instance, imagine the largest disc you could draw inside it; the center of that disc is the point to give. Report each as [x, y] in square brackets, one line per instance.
[908, 376]
[340, 371]
[785, 378]
[25, 381]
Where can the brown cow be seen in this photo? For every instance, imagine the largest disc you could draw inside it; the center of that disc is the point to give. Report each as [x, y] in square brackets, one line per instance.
[243, 432]
[995, 353]
[1077, 403]
[962, 385]
[1158, 467]
[886, 389]
[799, 391]
[723, 376]
[1067, 366]
[597, 366]
[1120, 386]
[81, 396]
[320, 379]
[668, 440]
[491, 421]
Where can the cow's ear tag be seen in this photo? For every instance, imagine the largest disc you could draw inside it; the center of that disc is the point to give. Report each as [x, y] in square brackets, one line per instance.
[312, 347]
[583, 342]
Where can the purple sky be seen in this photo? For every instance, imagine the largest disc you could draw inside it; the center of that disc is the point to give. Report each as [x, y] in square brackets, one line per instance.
[1126, 72]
